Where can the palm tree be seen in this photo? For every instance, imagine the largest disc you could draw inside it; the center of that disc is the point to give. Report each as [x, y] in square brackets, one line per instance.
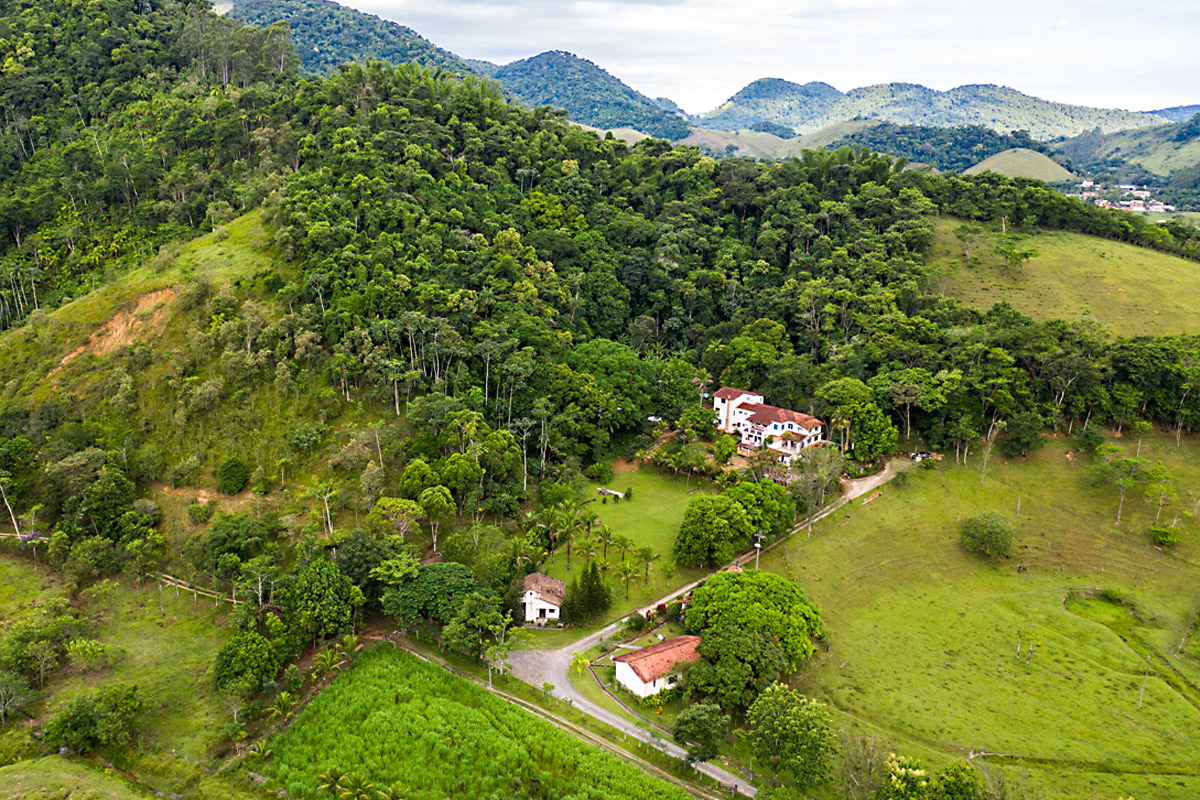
[357, 787]
[624, 544]
[330, 781]
[627, 574]
[284, 703]
[393, 792]
[349, 646]
[326, 662]
[647, 556]
[604, 534]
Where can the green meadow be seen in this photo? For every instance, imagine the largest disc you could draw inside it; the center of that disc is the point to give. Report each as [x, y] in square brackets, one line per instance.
[1131, 290]
[922, 637]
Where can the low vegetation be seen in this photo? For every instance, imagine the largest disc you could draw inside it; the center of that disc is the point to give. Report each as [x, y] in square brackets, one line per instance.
[401, 721]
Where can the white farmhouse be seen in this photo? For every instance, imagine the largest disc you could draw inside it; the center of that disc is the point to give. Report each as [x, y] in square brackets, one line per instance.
[655, 668]
[744, 414]
[543, 598]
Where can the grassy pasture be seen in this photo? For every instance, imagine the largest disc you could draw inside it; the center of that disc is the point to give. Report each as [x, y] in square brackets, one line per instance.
[1020, 162]
[58, 776]
[923, 636]
[167, 653]
[1131, 290]
[397, 719]
[22, 589]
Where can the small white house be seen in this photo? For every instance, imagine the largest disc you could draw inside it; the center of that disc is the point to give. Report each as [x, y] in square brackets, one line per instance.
[656, 668]
[543, 598]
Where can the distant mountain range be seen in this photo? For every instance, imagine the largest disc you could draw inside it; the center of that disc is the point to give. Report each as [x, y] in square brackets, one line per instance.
[328, 34]
[811, 106]
[1178, 113]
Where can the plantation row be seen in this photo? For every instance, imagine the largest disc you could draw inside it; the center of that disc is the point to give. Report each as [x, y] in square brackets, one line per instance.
[397, 720]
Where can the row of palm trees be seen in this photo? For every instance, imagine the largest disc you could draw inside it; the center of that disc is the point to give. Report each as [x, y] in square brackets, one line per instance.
[579, 528]
[354, 786]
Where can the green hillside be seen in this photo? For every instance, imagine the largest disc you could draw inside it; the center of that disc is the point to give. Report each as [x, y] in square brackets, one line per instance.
[810, 107]
[328, 34]
[1160, 150]
[759, 144]
[1021, 162]
[1132, 290]
[587, 93]
[923, 635]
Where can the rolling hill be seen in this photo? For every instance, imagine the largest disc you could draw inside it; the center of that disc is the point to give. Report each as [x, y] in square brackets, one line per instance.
[327, 35]
[587, 93]
[1178, 113]
[1160, 150]
[812, 106]
[1021, 162]
[1132, 290]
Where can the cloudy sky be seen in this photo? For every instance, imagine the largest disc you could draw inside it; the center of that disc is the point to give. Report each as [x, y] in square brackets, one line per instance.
[1107, 53]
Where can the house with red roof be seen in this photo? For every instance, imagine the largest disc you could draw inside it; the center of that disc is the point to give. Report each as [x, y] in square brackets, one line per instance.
[656, 668]
[747, 416]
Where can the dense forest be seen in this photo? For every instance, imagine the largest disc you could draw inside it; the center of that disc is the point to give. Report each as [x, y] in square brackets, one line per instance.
[518, 299]
[328, 34]
[956, 149]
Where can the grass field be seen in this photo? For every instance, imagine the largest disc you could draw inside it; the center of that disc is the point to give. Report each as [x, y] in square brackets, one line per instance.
[650, 519]
[397, 719]
[21, 587]
[923, 636]
[1132, 290]
[1020, 162]
[168, 654]
[66, 778]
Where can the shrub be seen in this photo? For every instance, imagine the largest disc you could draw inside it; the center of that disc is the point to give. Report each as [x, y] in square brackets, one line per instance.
[629, 493]
[232, 476]
[674, 612]
[601, 471]
[989, 533]
[247, 658]
[199, 513]
[100, 720]
[636, 622]
[1165, 535]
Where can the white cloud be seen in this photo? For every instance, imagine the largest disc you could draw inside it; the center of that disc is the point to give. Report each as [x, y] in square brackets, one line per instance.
[699, 52]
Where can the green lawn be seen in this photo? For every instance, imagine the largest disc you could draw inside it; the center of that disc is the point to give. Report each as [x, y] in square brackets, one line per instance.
[61, 777]
[650, 519]
[922, 636]
[1132, 290]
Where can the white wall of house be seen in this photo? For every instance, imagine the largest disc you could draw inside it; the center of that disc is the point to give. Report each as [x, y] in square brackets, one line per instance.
[629, 679]
[537, 608]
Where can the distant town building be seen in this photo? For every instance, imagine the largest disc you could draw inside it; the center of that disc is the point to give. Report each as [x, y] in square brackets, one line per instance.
[543, 598]
[746, 415]
[656, 668]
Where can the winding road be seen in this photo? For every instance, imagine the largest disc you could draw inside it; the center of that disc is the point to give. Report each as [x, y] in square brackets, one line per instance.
[538, 667]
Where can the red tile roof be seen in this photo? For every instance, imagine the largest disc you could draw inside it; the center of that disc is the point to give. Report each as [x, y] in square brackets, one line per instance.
[728, 393]
[765, 415]
[657, 660]
[552, 590]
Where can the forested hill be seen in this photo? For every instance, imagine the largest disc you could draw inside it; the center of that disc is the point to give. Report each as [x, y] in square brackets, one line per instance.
[587, 93]
[328, 34]
[812, 106]
[956, 149]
